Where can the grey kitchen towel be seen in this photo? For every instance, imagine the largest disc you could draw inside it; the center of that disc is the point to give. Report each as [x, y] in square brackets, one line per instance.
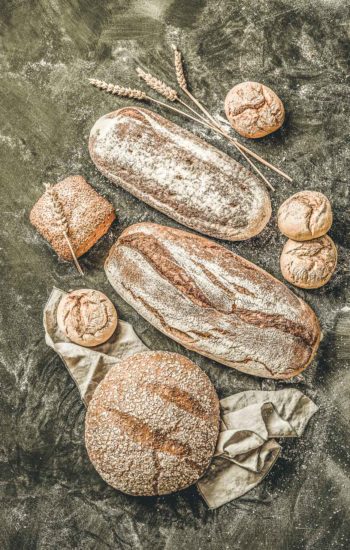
[250, 421]
[88, 366]
[246, 448]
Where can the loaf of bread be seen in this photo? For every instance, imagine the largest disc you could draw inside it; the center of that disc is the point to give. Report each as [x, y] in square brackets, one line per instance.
[152, 424]
[179, 174]
[88, 216]
[212, 301]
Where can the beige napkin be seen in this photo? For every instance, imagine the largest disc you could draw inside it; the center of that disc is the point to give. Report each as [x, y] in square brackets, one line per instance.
[88, 366]
[250, 420]
[246, 449]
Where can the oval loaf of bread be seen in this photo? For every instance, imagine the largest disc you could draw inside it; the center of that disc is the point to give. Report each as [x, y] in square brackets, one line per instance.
[179, 174]
[212, 301]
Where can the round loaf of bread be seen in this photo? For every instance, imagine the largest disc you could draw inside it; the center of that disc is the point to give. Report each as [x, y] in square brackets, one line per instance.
[87, 317]
[309, 264]
[254, 110]
[152, 424]
[305, 215]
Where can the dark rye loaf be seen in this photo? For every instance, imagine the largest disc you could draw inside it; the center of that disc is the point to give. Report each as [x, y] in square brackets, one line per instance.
[152, 424]
[179, 174]
[212, 301]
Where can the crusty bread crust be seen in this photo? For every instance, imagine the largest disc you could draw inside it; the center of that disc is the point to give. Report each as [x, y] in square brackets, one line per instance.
[179, 174]
[212, 301]
[254, 110]
[304, 216]
[87, 317]
[309, 264]
[89, 216]
[152, 424]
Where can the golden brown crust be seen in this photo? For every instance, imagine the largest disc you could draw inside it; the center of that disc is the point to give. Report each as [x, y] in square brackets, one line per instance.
[254, 110]
[89, 216]
[179, 174]
[152, 424]
[212, 301]
[87, 317]
[304, 216]
[309, 264]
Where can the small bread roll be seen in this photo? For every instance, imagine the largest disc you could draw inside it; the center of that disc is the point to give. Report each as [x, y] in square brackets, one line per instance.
[309, 264]
[254, 110]
[87, 317]
[305, 215]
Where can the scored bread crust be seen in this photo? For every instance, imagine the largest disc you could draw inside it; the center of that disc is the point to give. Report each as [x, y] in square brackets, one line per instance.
[254, 110]
[179, 174]
[304, 216]
[152, 424]
[88, 214]
[213, 301]
[309, 264]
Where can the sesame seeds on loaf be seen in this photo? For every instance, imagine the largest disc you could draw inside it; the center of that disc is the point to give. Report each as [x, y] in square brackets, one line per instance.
[88, 214]
[213, 301]
[152, 424]
[179, 174]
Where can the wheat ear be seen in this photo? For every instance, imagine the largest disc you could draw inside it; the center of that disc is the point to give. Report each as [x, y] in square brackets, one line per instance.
[61, 221]
[158, 85]
[118, 90]
[179, 69]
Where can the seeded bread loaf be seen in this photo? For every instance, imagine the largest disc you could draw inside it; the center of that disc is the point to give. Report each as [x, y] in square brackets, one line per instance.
[212, 301]
[179, 174]
[152, 424]
[88, 216]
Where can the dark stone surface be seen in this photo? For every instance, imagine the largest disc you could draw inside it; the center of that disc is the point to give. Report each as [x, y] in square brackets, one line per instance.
[51, 497]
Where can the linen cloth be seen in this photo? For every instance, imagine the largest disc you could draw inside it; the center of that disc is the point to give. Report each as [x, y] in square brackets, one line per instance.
[250, 421]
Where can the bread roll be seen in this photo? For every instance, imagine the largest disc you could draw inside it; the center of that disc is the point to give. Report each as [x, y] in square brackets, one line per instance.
[254, 110]
[305, 215]
[309, 264]
[87, 317]
[212, 301]
[179, 174]
[88, 215]
[152, 424]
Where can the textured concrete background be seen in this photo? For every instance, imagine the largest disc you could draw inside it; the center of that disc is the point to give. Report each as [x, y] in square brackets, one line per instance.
[51, 497]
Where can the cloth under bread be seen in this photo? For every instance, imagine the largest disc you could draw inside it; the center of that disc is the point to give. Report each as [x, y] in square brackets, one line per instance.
[250, 420]
[87, 366]
[246, 448]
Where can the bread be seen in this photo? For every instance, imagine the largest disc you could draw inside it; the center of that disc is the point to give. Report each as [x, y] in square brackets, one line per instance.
[305, 215]
[309, 264]
[179, 174]
[254, 110]
[88, 214]
[212, 301]
[87, 317]
[152, 424]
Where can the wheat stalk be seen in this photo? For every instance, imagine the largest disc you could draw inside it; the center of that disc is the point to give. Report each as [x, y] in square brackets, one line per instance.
[183, 85]
[61, 221]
